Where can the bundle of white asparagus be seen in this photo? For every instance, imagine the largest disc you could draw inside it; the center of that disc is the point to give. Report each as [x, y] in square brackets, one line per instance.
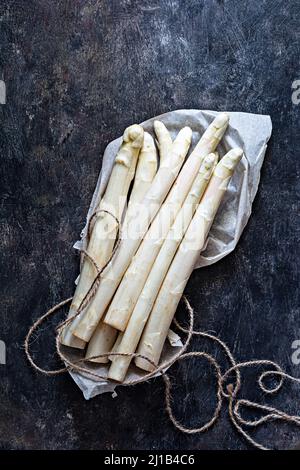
[170, 210]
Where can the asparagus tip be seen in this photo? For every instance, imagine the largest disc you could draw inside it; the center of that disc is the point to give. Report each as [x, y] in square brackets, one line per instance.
[148, 140]
[187, 131]
[158, 125]
[210, 158]
[135, 133]
[221, 120]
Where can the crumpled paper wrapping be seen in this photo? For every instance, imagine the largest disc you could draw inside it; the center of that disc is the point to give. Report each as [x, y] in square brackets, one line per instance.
[251, 132]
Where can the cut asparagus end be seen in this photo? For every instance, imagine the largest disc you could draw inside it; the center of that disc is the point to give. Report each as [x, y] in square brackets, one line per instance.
[101, 343]
[68, 339]
[212, 136]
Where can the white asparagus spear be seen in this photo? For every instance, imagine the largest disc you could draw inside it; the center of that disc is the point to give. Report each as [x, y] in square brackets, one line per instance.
[164, 140]
[207, 143]
[164, 308]
[104, 336]
[101, 343]
[116, 345]
[135, 229]
[105, 228]
[143, 307]
[135, 277]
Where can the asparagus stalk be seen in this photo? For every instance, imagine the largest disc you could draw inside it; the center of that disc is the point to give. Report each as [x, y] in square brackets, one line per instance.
[145, 171]
[135, 277]
[164, 308]
[105, 228]
[164, 140]
[134, 329]
[101, 343]
[116, 345]
[104, 336]
[135, 229]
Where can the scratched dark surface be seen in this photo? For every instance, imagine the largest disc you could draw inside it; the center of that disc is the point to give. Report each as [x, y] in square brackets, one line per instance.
[77, 73]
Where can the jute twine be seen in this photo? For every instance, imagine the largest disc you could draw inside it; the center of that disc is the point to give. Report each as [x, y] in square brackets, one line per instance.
[224, 392]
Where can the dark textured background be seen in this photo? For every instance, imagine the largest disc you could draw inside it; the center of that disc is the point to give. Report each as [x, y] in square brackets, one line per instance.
[77, 73]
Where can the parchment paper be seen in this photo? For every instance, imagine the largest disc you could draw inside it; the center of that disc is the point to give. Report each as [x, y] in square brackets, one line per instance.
[251, 132]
